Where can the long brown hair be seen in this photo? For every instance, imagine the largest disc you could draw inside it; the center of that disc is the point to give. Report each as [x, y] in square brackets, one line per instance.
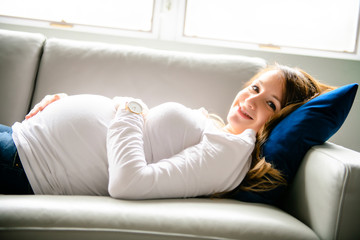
[299, 88]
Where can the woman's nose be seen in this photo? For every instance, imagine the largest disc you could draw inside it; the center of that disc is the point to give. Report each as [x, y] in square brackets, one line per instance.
[251, 101]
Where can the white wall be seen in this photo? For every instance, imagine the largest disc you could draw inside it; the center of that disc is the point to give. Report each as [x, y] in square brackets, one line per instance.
[331, 71]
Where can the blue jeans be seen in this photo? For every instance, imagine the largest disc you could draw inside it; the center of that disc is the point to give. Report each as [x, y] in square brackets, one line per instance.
[13, 179]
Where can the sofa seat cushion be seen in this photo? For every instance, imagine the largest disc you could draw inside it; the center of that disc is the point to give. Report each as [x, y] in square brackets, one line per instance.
[88, 217]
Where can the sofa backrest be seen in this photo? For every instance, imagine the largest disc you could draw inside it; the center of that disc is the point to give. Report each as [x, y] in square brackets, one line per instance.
[20, 55]
[155, 76]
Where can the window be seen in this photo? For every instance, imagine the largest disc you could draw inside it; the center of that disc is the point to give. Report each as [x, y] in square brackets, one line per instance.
[121, 14]
[321, 24]
[316, 27]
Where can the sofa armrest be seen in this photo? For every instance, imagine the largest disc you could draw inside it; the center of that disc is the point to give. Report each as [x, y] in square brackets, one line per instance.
[20, 54]
[325, 193]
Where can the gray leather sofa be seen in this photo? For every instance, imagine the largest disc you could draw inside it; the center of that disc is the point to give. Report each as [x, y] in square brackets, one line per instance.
[322, 203]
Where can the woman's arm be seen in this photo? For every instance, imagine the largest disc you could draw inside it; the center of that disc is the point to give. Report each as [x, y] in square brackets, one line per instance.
[48, 99]
[218, 163]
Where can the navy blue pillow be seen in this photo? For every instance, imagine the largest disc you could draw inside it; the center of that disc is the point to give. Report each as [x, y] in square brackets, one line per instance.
[311, 124]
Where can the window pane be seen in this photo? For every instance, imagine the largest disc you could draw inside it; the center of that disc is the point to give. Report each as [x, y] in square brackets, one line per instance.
[125, 14]
[315, 24]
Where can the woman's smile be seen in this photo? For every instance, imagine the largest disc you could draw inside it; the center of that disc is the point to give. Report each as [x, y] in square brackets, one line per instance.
[244, 114]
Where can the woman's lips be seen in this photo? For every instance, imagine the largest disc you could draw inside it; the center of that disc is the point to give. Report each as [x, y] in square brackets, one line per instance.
[244, 114]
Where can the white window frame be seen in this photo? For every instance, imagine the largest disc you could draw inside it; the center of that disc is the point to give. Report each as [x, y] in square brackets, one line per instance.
[168, 25]
[267, 48]
[43, 24]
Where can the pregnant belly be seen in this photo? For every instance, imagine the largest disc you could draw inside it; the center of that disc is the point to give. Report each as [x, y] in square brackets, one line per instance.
[69, 141]
[79, 116]
[76, 128]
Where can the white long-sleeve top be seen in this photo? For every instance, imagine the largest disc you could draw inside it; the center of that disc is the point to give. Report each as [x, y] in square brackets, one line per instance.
[81, 145]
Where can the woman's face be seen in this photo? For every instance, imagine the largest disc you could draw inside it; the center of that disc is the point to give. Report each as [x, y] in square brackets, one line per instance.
[254, 105]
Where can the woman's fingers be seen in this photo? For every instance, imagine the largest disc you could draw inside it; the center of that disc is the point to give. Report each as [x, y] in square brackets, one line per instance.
[44, 103]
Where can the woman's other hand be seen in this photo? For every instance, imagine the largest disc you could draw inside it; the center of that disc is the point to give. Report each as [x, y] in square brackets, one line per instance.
[44, 103]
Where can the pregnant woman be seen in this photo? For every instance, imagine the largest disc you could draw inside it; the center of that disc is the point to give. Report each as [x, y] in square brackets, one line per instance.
[93, 145]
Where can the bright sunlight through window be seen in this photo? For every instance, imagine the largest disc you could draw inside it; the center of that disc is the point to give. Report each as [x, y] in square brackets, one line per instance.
[313, 24]
[314, 27]
[123, 14]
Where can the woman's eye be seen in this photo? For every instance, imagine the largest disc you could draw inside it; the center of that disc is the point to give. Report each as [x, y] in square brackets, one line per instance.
[272, 105]
[255, 88]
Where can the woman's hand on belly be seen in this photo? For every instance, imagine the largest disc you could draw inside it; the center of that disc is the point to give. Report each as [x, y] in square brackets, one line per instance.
[48, 99]
[120, 103]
